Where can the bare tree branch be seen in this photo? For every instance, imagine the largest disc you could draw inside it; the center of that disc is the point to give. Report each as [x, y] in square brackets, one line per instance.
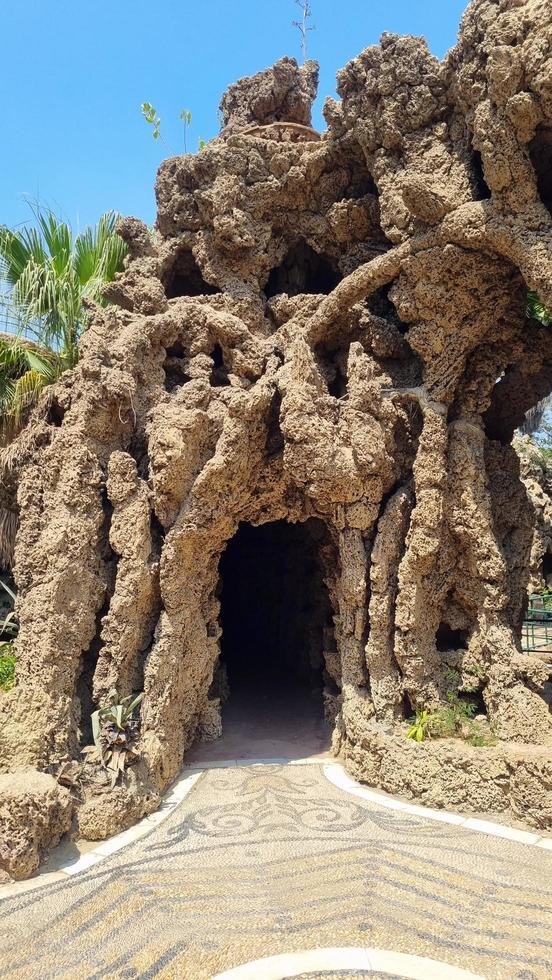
[303, 25]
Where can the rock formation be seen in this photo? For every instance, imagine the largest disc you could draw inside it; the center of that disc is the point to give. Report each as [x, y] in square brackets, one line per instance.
[329, 331]
[537, 479]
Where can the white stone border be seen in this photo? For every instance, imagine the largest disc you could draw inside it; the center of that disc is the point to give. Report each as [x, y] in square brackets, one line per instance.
[190, 774]
[177, 792]
[333, 958]
[337, 775]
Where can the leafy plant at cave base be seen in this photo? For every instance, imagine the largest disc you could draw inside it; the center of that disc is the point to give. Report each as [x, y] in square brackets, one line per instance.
[7, 667]
[114, 729]
[536, 310]
[455, 718]
[419, 726]
[9, 628]
[47, 275]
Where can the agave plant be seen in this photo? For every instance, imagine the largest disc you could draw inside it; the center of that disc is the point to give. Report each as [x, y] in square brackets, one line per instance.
[114, 729]
[9, 626]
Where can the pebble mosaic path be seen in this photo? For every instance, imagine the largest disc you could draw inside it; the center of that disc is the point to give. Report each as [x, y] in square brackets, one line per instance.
[264, 860]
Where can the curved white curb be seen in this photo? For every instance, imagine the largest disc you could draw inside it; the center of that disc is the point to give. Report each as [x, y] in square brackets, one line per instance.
[333, 771]
[369, 960]
[337, 775]
[178, 791]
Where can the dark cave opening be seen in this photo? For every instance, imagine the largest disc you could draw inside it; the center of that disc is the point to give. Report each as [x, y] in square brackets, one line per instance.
[332, 364]
[274, 444]
[175, 367]
[55, 413]
[186, 279]
[449, 639]
[480, 187]
[303, 271]
[276, 619]
[540, 152]
[547, 569]
[361, 183]
[382, 306]
[219, 374]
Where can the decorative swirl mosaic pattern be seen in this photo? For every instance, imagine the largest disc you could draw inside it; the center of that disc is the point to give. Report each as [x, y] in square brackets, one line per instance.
[263, 860]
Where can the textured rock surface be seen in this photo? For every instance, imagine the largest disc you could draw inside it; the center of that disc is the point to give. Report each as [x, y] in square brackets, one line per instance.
[35, 812]
[331, 329]
[537, 480]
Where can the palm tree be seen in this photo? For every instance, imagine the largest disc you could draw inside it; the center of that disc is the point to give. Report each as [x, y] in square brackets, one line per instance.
[46, 275]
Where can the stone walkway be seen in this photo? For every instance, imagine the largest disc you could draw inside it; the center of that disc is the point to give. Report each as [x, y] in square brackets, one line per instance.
[261, 860]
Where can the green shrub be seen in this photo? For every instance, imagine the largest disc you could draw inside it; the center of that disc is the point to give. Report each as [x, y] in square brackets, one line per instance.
[536, 310]
[453, 719]
[7, 667]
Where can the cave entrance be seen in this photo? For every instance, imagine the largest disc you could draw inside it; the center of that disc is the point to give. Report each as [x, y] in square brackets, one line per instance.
[276, 623]
[303, 271]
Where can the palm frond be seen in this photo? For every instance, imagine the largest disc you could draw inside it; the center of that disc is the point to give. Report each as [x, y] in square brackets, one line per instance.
[45, 275]
[26, 390]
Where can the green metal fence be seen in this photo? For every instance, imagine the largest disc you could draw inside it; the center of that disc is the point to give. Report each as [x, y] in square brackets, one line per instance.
[536, 633]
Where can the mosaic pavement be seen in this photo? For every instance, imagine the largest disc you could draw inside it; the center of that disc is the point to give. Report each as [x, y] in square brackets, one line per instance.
[262, 860]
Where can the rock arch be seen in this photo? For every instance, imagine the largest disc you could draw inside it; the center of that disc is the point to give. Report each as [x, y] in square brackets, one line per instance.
[188, 415]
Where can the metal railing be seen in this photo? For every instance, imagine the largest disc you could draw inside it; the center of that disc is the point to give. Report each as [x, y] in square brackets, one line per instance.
[536, 632]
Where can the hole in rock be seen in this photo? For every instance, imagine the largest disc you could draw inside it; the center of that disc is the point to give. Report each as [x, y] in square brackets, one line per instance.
[540, 152]
[175, 367]
[55, 413]
[361, 183]
[277, 627]
[157, 532]
[449, 639]
[380, 305]
[302, 271]
[219, 375]
[481, 189]
[186, 279]
[274, 444]
[547, 568]
[407, 710]
[331, 363]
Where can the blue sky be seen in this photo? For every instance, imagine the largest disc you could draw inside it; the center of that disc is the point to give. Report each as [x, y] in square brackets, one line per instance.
[76, 71]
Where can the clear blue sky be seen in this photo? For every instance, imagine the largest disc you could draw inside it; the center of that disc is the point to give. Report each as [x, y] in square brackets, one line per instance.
[76, 71]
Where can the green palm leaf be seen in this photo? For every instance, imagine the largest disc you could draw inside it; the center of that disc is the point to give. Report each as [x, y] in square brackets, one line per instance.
[45, 275]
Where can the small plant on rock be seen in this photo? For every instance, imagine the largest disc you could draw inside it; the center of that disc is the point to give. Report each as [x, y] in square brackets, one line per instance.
[114, 729]
[419, 726]
[186, 117]
[149, 113]
[455, 719]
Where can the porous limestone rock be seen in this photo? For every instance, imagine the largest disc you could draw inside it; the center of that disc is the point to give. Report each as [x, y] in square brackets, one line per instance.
[35, 812]
[108, 810]
[332, 332]
[537, 480]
